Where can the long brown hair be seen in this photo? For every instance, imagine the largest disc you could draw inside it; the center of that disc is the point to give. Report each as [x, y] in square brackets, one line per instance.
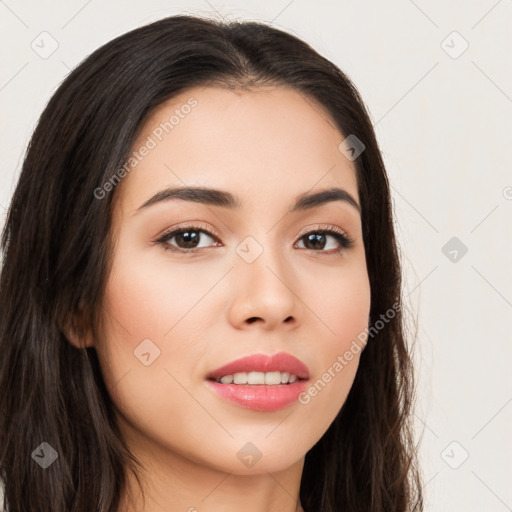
[57, 251]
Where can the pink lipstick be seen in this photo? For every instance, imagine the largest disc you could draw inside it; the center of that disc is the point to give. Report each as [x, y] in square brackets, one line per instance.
[260, 382]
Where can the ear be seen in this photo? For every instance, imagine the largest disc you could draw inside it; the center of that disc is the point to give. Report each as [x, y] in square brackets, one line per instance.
[76, 330]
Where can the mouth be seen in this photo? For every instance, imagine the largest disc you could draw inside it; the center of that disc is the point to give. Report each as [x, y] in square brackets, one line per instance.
[260, 382]
[280, 368]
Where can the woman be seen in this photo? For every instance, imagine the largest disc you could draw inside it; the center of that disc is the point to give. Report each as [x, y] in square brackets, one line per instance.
[201, 292]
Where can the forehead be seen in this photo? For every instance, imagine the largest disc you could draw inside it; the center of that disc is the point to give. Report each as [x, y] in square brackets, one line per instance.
[267, 144]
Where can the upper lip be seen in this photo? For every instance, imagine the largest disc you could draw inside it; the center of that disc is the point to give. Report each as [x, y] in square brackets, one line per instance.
[280, 362]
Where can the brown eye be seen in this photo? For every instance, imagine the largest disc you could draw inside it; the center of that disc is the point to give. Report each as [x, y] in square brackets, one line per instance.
[317, 240]
[187, 239]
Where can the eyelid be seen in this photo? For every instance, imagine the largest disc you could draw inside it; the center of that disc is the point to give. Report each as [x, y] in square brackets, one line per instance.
[200, 226]
[196, 226]
[322, 227]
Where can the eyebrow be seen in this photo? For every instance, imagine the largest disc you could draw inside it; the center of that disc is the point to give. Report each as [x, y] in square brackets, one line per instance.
[223, 199]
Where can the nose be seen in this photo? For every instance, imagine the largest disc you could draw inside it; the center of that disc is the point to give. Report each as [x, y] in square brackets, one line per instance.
[264, 292]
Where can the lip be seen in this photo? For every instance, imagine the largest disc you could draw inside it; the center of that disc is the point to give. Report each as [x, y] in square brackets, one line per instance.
[280, 362]
[261, 397]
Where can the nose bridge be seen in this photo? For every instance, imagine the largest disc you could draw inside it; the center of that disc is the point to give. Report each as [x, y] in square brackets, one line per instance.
[260, 250]
[264, 277]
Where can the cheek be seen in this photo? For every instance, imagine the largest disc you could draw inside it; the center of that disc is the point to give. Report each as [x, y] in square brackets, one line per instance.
[151, 303]
[157, 316]
[340, 300]
[145, 367]
[149, 298]
[344, 308]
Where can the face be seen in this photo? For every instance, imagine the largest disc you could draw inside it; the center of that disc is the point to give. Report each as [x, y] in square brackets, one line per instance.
[197, 284]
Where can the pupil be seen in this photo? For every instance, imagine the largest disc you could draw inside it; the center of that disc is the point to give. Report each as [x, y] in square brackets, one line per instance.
[190, 240]
[315, 238]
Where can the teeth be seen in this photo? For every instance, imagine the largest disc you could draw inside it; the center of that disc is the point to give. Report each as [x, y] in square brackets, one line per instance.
[269, 378]
[240, 378]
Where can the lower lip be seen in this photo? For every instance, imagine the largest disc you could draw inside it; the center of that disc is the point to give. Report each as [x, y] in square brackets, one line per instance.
[260, 397]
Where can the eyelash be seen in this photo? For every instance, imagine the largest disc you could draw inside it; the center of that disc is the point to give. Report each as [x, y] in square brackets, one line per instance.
[344, 241]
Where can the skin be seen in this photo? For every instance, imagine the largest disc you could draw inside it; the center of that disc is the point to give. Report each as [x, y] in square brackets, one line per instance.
[266, 146]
